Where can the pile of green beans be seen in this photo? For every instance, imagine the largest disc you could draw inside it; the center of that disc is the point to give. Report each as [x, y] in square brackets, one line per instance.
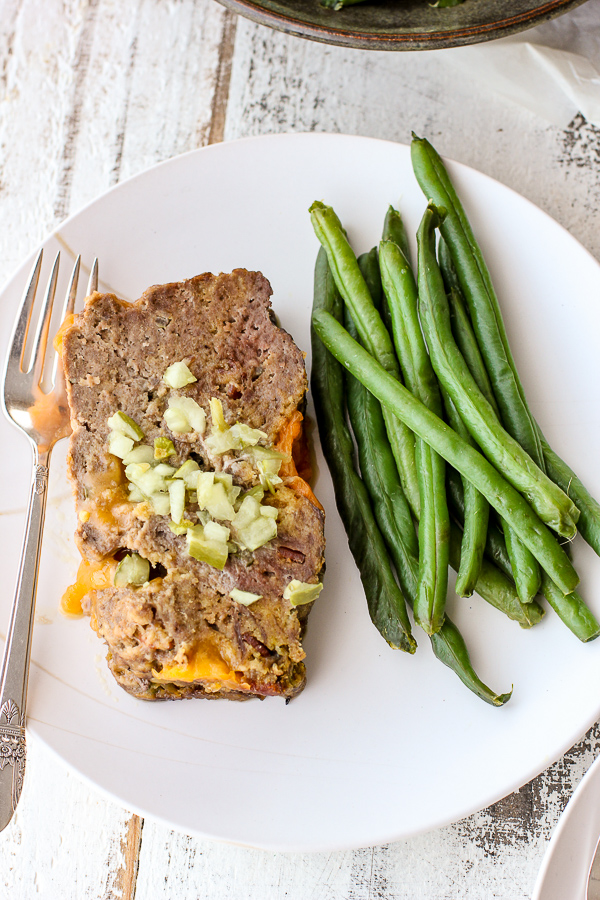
[435, 456]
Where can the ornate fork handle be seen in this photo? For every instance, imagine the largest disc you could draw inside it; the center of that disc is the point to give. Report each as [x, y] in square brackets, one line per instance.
[15, 666]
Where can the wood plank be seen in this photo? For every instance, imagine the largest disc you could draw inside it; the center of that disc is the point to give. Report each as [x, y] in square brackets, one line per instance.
[223, 80]
[126, 877]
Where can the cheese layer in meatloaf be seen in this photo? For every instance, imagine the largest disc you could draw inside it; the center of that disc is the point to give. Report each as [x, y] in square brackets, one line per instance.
[181, 634]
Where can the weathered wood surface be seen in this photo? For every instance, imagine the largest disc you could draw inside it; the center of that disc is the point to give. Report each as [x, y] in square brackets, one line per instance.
[93, 91]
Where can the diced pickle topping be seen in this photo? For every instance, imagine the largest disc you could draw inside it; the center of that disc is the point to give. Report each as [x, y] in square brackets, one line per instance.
[163, 448]
[133, 569]
[300, 592]
[182, 527]
[216, 412]
[244, 597]
[177, 499]
[119, 445]
[189, 472]
[124, 424]
[144, 453]
[201, 547]
[170, 490]
[184, 415]
[178, 375]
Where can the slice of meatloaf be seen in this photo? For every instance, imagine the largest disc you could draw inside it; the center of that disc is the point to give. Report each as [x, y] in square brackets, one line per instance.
[181, 633]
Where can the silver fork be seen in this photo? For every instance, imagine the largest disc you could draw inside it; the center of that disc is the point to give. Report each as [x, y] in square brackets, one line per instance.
[44, 418]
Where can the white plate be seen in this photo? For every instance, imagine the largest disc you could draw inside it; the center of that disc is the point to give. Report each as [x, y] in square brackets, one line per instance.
[380, 745]
[569, 855]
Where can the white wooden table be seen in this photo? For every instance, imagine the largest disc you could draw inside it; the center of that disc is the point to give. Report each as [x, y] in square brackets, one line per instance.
[93, 91]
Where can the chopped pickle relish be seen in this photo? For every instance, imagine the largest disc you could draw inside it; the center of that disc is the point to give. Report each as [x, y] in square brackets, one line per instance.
[210, 495]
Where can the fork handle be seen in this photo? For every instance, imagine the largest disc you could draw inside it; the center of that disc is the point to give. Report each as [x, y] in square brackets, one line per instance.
[17, 652]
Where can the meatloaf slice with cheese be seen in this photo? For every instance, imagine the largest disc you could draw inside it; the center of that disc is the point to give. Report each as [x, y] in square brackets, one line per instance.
[207, 505]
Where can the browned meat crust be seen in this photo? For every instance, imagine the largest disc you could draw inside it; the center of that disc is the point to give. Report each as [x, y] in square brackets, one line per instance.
[115, 355]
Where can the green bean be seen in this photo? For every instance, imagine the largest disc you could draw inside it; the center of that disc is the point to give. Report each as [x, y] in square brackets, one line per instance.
[589, 508]
[434, 523]
[352, 286]
[495, 549]
[462, 328]
[477, 288]
[450, 648]
[387, 498]
[497, 573]
[401, 291]
[415, 415]
[434, 527]
[368, 263]
[384, 599]
[572, 610]
[372, 332]
[377, 463]
[394, 230]
[551, 504]
[526, 571]
[495, 546]
[476, 514]
[447, 269]
[381, 478]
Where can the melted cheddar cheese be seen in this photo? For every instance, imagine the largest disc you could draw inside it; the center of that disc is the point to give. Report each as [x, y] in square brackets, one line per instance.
[91, 576]
[204, 664]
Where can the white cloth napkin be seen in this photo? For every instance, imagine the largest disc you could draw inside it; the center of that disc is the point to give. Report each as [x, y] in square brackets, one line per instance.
[552, 70]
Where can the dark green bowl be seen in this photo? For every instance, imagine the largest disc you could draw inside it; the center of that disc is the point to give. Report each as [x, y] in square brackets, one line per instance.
[401, 24]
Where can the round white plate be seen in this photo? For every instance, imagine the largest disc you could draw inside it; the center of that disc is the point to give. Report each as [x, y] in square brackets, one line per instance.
[380, 745]
[565, 868]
